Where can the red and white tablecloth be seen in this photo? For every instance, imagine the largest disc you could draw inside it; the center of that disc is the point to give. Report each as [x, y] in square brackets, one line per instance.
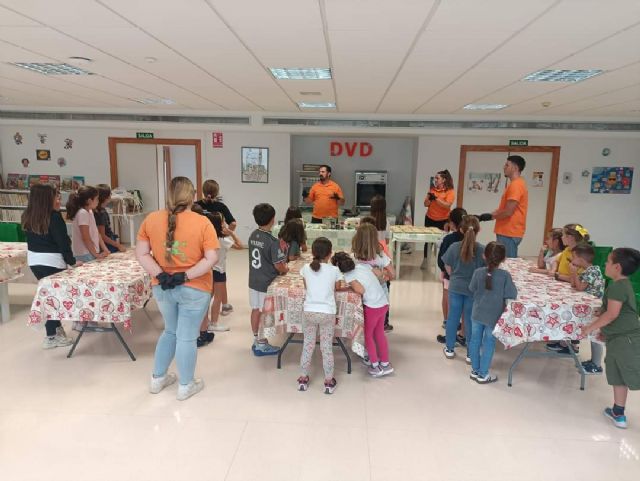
[13, 260]
[106, 290]
[546, 309]
[283, 309]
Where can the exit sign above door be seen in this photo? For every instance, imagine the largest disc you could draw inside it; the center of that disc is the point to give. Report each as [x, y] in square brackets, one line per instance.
[144, 135]
[518, 143]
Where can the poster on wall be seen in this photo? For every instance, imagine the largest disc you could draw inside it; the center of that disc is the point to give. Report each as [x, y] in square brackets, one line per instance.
[537, 179]
[611, 180]
[255, 164]
[44, 179]
[71, 183]
[17, 181]
[43, 154]
[484, 182]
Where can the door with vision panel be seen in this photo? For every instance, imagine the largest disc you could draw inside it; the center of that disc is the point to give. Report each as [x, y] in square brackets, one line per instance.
[484, 184]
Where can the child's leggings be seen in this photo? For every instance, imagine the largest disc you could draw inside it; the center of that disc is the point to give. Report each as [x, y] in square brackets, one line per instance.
[311, 321]
[374, 338]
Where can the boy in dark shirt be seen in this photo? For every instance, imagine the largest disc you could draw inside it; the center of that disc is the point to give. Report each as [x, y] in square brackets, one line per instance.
[266, 262]
[210, 204]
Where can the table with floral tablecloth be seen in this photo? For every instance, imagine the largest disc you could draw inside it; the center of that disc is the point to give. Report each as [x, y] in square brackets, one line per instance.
[283, 308]
[13, 262]
[546, 310]
[411, 233]
[102, 291]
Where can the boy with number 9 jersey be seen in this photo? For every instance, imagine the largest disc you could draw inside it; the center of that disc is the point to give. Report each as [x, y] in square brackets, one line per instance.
[266, 262]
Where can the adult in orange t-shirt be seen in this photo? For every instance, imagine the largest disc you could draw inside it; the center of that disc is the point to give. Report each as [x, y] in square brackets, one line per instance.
[178, 248]
[511, 215]
[438, 202]
[325, 195]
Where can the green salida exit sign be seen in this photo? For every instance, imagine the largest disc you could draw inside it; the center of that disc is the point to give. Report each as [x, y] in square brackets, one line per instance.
[518, 143]
[144, 135]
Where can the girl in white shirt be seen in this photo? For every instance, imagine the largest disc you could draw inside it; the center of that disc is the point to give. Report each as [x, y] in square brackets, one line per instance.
[321, 280]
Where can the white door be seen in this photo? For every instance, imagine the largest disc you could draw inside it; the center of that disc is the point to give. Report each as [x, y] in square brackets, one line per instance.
[183, 162]
[485, 183]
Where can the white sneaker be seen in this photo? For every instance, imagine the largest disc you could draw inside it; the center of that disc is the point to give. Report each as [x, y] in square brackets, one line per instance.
[159, 383]
[194, 387]
[218, 328]
[226, 309]
[425, 264]
[60, 332]
[56, 341]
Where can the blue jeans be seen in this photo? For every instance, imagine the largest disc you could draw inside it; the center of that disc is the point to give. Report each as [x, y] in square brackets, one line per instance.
[510, 243]
[182, 309]
[481, 336]
[458, 304]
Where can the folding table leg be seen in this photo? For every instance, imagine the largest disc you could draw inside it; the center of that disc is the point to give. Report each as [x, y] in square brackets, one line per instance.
[579, 367]
[75, 344]
[516, 362]
[284, 346]
[124, 344]
[346, 354]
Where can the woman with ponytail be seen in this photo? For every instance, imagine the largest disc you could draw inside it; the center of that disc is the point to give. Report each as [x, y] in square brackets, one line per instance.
[491, 287]
[460, 260]
[321, 280]
[211, 204]
[178, 247]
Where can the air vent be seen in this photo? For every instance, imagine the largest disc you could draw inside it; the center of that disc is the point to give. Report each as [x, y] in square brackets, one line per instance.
[178, 119]
[454, 124]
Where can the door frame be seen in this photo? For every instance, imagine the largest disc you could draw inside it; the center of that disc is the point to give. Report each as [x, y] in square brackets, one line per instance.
[553, 176]
[113, 156]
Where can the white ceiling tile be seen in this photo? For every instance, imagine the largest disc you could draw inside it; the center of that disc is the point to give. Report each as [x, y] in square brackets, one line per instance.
[9, 18]
[62, 13]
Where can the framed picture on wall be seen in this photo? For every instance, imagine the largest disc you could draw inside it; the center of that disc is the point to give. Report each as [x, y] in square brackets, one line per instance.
[255, 164]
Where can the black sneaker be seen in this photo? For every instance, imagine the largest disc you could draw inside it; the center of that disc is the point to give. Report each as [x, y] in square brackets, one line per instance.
[553, 346]
[202, 341]
[209, 336]
[461, 340]
[388, 328]
[591, 368]
[565, 350]
[441, 339]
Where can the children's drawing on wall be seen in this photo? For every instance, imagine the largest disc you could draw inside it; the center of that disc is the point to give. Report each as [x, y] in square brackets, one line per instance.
[17, 138]
[68, 144]
[62, 161]
[43, 138]
[537, 179]
[25, 162]
[484, 182]
[255, 164]
[611, 180]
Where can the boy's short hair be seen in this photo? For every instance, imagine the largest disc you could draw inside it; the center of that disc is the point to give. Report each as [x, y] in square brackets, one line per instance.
[263, 214]
[585, 251]
[628, 258]
[210, 189]
[517, 160]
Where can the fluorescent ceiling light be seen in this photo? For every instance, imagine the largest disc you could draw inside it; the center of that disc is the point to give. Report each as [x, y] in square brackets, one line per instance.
[485, 106]
[317, 105]
[52, 68]
[301, 73]
[155, 101]
[561, 75]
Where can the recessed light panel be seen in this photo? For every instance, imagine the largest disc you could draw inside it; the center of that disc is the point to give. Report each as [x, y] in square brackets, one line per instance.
[151, 101]
[52, 68]
[485, 106]
[561, 75]
[317, 105]
[301, 73]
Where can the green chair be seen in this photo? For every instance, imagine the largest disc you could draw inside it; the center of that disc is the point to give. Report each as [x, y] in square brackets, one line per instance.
[10, 232]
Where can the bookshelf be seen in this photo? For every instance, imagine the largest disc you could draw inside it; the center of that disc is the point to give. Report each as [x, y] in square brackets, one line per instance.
[14, 201]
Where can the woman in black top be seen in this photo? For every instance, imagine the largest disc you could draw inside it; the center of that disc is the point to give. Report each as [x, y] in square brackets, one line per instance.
[49, 247]
[211, 189]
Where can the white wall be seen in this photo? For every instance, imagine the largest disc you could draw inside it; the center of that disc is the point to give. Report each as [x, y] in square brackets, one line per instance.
[611, 219]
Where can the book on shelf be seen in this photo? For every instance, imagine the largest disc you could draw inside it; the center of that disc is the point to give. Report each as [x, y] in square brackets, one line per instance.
[10, 215]
[17, 199]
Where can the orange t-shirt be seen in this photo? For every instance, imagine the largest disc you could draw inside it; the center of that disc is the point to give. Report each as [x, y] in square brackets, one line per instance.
[515, 225]
[435, 211]
[323, 203]
[194, 234]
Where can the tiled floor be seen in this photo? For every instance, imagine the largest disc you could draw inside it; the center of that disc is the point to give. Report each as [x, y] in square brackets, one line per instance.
[91, 417]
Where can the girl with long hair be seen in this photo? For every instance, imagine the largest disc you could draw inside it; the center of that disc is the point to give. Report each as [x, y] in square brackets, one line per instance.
[49, 248]
[178, 248]
[86, 242]
[438, 202]
[460, 260]
[103, 222]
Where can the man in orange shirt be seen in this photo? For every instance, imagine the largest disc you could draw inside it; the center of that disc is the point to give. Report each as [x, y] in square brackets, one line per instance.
[325, 195]
[511, 215]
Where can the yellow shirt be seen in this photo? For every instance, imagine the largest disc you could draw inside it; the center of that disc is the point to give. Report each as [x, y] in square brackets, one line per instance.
[564, 262]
